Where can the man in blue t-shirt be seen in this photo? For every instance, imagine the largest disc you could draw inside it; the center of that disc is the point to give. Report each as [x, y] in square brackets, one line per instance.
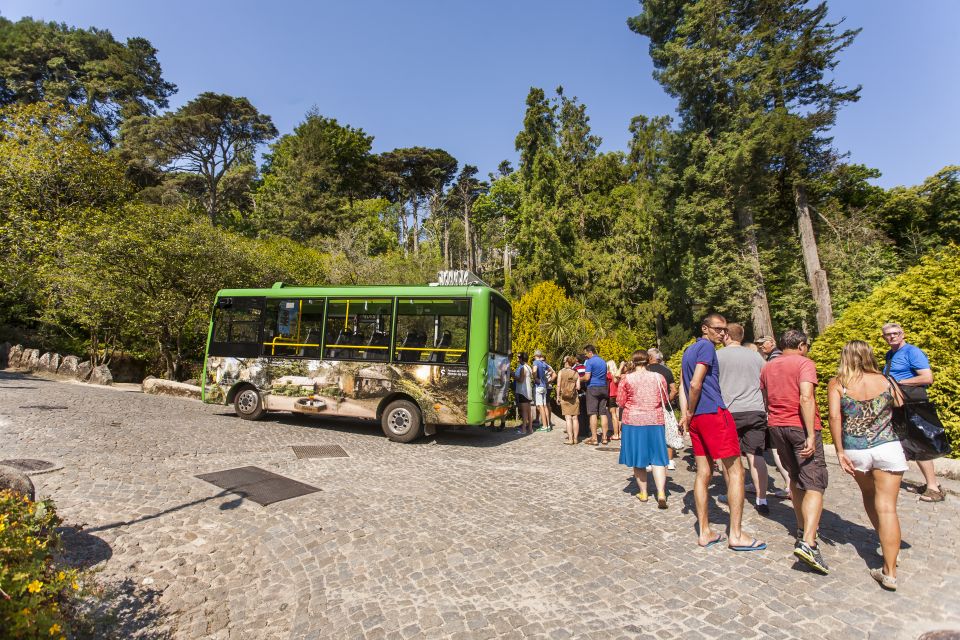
[598, 394]
[910, 367]
[713, 433]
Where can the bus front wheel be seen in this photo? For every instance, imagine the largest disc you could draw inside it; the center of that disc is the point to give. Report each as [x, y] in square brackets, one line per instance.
[402, 421]
[248, 404]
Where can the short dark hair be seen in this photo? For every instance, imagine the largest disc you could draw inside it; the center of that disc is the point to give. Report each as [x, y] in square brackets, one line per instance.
[590, 349]
[522, 356]
[792, 339]
[710, 316]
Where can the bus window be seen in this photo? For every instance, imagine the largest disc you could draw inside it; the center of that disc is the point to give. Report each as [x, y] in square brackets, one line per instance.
[293, 328]
[431, 331]
[358, 329]
[499, 326]
[236, 327]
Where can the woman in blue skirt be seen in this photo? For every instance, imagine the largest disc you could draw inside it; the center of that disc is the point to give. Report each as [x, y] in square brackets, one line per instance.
[642, 394]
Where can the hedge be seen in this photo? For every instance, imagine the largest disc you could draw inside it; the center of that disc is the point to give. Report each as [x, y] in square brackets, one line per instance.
[925, 300]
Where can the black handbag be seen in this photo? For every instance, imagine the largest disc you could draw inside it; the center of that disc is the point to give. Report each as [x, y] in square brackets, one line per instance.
[918, 425]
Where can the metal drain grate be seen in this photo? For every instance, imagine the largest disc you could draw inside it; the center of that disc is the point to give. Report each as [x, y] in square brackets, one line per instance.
[28, 464]
[320, 451]
[259, 485]
[44, 407]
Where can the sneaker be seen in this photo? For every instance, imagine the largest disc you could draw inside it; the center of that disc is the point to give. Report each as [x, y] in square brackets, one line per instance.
[649, 467]
[749, 488]
[763, 509]
[782, 494]
[888, 583]
[671, 466]
[722, 498]
[541, 429]
[811, 555]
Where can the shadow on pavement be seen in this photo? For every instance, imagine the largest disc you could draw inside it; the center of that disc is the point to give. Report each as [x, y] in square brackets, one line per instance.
[232, 504]
[23, 377]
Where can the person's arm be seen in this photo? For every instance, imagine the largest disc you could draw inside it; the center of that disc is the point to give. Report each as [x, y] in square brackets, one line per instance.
[683, 406]
[836, 424]
[696, 386]
[623, 394]
[808, 405]
[673, 391]
[923, 378]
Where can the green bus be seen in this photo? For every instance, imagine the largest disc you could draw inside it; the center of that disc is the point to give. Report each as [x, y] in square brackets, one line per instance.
[412, 357]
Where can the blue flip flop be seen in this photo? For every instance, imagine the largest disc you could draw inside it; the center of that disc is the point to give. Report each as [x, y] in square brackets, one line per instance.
[753, 546]
[716, 540]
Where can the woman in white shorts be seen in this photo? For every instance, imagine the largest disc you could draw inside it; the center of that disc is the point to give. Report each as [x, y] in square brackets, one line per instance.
[861, 421]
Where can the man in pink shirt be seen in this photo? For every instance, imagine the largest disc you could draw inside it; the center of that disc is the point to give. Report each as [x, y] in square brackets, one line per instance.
[788, 384]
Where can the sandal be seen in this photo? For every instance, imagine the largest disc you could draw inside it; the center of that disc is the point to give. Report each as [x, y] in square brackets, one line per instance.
[590, 441]
[662, 501]
[642, 496]
[933, 495]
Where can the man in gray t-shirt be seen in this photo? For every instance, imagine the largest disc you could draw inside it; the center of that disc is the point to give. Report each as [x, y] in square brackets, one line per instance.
[740, 387]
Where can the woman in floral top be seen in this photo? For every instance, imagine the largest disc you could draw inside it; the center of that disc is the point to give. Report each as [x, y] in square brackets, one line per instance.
[641, 395]
[861, 421]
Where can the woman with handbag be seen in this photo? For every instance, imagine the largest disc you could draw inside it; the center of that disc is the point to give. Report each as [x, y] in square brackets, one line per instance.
[642, 395]
[861, 403]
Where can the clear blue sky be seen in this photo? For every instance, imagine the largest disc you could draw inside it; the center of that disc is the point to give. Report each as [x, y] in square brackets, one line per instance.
[454, 74]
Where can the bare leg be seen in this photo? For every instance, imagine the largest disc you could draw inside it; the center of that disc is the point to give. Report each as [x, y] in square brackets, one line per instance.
[660, 479]
[640, 474]
[812, 508]
[545, 420]
[796, 497]
[869, 491]
[670, 453]
[929, 474]
[616, 423]
[758, 473]
[735, 499]
[604, 424]
[781, 469]
[571, 428]
[593, 428]
[700, 484]
[888, 487]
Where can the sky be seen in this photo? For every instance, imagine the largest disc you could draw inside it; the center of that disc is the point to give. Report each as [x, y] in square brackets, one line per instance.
[454, 74]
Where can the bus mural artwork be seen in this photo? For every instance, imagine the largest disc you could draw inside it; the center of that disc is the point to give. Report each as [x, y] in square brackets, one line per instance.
[415, 357]
[344, 388]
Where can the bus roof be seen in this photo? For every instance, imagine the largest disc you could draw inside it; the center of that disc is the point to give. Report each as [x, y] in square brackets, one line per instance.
[280, 290]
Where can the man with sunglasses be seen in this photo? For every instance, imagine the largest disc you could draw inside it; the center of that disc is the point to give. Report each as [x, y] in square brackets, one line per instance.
[713, 433]
[910, 367]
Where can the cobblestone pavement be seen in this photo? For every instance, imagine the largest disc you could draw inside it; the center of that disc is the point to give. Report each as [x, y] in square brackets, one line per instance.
[473, 534]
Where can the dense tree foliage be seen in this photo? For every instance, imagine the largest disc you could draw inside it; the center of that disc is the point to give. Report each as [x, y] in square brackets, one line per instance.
[50, 62]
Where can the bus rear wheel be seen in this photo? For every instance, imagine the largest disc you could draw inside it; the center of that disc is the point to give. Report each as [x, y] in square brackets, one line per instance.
[248, 404]
[402, 421]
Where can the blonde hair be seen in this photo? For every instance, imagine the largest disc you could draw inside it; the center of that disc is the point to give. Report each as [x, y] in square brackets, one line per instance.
[612, 367]
[856, 359]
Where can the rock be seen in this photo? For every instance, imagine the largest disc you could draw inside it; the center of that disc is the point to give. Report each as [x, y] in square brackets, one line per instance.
[192, 382]
[30, 359]
[68, 367]
[83, 370]
[4, 354]
[53, 364]
[13, 358]
[100, 375]
[17, 481]
[43, 363]
[156, 386]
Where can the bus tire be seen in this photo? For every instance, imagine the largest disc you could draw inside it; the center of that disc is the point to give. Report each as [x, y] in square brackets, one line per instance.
[248, 404]
[402, 421]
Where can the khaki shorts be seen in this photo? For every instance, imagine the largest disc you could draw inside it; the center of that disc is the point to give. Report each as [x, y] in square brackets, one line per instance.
[808, 474]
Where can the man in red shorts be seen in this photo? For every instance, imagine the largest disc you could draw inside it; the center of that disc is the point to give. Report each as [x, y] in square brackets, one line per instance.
[713, 433]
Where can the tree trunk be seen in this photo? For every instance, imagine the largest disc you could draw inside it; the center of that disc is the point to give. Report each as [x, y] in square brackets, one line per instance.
[760, 314]
[466, 234]
[446, 245]
[416, 225]
[816, 276]
[403, 229]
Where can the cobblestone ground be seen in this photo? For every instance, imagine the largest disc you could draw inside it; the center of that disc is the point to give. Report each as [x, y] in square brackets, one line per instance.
[471, 535]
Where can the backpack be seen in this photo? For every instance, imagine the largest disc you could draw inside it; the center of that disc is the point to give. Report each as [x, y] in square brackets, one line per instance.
[568, 388]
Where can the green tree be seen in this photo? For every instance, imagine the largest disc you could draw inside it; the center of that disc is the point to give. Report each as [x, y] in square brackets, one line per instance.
[54, 63]
[312, 178]
[207, 136]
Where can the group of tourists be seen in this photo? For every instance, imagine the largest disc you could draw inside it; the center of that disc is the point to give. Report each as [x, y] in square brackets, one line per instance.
[738, 402]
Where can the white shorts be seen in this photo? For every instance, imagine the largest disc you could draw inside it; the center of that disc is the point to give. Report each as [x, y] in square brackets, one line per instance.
[540, 396]
[885, 457]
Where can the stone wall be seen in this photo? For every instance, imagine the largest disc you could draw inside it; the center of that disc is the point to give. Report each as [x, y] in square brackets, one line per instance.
[54, 365]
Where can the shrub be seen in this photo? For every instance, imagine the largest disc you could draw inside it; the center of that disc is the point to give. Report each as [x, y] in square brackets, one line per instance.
[545, 303]
[925, 300]
[35, 591]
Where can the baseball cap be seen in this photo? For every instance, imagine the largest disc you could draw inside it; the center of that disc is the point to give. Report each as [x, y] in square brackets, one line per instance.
[537, 353]
[763, 339]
